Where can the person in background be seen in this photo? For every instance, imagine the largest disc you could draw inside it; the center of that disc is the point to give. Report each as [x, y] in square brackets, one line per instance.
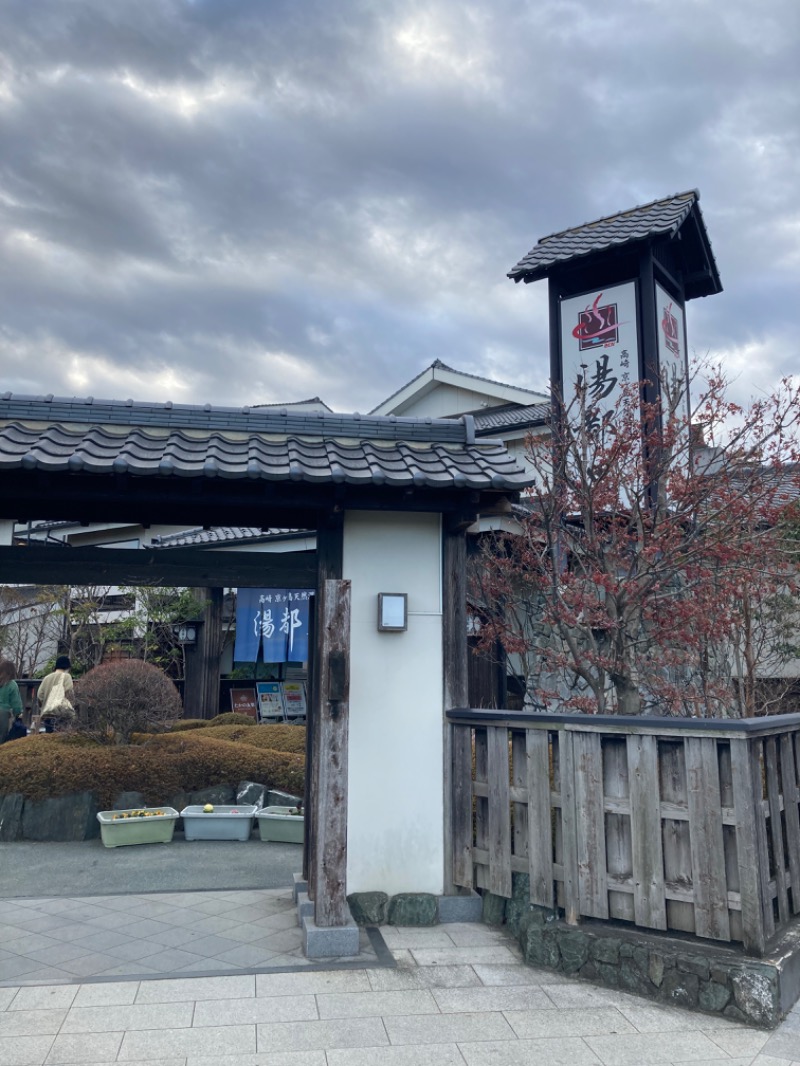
[10, 699]
[63, 679]
[18, 729]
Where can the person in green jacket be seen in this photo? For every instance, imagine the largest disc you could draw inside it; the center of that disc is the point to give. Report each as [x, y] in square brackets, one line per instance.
[10, 699]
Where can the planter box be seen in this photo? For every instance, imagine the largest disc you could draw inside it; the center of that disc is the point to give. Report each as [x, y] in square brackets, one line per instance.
[141, 825]
[277, 824]
[223, 823]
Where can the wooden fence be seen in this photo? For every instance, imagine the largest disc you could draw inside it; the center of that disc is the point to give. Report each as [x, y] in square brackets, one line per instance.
[670, 824]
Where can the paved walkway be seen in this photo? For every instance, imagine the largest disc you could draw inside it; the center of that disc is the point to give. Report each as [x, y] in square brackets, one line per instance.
[455, 994]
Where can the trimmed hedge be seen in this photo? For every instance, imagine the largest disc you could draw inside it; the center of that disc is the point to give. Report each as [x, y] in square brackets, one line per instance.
[231, 718]
[188, 723]
[47, 765]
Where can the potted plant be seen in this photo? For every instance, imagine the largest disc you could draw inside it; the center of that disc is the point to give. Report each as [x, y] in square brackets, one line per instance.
[140, 825]
[285, 824]
[220, 822]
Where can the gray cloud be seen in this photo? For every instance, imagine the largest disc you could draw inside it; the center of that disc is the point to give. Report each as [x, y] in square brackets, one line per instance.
[245, 202]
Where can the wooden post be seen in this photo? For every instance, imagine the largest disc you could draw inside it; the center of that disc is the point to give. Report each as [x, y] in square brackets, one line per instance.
[752, 887]
[457, 776]
[330, 556]
[332, 714]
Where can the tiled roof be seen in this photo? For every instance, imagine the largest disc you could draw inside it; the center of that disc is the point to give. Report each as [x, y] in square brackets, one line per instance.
[437, 364]
[659, 217]
[511, 416]
[164, 441]
[221, 535]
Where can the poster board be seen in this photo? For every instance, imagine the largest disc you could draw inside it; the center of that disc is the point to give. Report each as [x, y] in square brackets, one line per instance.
[243, 701]
[270, 701]
[294, 698]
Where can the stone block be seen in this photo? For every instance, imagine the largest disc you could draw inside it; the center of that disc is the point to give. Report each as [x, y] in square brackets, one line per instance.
[605, 949]
[466, 908]
[541, 948]
[574, 947]
[694, 964]
[299, 884]
[755, 993]
[305, 907]
[714, 997]
[276, 798]
[368, 908]
[518, 906]
[329, 942]
[413, 908]
[11, 817]
[72, 817]
[216, 794]
[680, 988]
[633, 979]
[656, 969]
[250, 792]
[493, 910]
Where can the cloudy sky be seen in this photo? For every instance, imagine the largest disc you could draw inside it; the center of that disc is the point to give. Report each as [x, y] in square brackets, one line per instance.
[253, 201]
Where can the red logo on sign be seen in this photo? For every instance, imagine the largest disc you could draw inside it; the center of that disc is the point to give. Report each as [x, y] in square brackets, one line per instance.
[669, 325]
[597, 326]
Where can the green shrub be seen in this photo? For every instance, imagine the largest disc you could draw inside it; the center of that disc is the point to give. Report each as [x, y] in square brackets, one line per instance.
[47, 765]
[231, 718]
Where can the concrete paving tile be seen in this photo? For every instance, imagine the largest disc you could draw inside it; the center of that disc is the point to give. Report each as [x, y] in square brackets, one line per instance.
[246, 913]
[48, 975]
[544, 1025]
[210, 1042]
[11, 969]
[31, 1022]
[134, 949]
[240, 986]
[74, 931]
[145, 927]
[450, 956]
[84, 1049]
[784, 1044]
[768, 1060]
[467, 934]
[181, 1061]
[447, 1028]
[386, 980]
[376, 1004]
[209, 924]
[43, 923]
[281, 1058]
[322, 1035]
[24, 1050]
[245, 955]
[640, 1049]
[6, 996]
[175, 938]
[505, 998]
[110, 993]
[649, 1018]
[208, 945]
[105, 1018]
[567, 1052]
[102, 940]
[252, 1011]
[280, 920]
[31, 942]
[428, 1055]
[213, 906]
[409, 937]
[60, 953]
[43, 997]
[577, 994]
[170, 960]
[246, 932]
[294, 984]
[150, 908]
[88, 965]
[132, 969]
[8, 933]
[516, 974]
[281, 940]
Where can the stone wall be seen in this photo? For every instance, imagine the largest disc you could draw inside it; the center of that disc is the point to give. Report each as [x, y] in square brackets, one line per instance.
[687, 972]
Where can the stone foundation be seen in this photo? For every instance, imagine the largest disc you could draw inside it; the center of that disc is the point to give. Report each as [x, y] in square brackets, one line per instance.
[691, 973]
[413, 908]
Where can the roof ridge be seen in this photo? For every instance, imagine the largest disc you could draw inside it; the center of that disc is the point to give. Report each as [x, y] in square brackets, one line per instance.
[695, 193]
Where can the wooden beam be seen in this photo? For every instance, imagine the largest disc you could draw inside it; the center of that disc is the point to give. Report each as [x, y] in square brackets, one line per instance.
[457, 776]
[43, 564]
[333, 712]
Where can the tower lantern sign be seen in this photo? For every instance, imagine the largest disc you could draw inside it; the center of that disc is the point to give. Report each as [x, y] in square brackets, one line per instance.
[618, 289]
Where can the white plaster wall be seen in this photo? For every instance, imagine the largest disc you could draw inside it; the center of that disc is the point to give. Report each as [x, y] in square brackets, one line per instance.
[395, 792]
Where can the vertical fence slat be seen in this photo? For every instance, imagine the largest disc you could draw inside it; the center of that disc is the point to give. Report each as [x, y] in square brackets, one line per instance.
[744, 800]
[481, 805]
[499, 812]
[462, 806]
[757, 772]
[569, 831]
[590, 825]
[790, 797]
[540, 824]
[519, 778]
[619, 858]
[776, 827]
[648, 858]
[705, 829]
